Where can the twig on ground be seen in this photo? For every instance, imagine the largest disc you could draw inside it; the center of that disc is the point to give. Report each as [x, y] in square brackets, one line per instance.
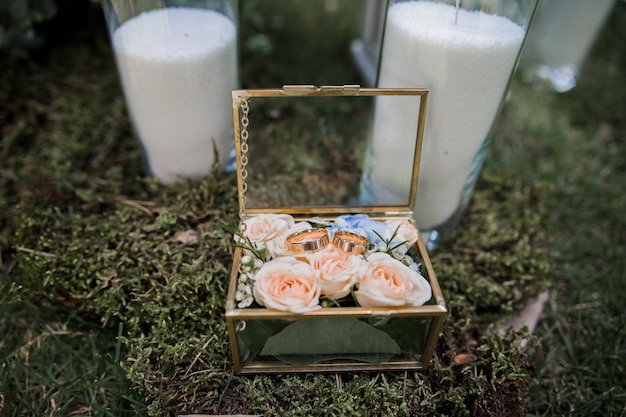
[35, 252]
[219, 401]
[197, 357]
[139, 205]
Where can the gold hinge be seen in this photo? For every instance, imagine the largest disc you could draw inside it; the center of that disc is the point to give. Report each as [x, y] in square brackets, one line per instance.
[348, 90]
[299, 90]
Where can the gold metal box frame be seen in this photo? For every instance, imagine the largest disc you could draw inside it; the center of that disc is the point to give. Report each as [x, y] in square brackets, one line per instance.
[237, 318]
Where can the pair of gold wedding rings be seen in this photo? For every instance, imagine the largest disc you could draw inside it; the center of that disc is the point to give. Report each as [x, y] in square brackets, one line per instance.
[312, 240]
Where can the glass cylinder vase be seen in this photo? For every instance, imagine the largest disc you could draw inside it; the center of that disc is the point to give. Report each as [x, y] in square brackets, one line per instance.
[178, 63]
[561, 37]
[465, 53]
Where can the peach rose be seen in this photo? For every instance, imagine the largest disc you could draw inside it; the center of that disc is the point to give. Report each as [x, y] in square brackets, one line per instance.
[278, 246]
[388, 282]
[404, 231]
[287, 284]
[338, 270]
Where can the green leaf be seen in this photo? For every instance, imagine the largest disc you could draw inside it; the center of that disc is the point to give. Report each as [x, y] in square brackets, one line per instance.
[409, 332]
[257, 332]
[309, 341]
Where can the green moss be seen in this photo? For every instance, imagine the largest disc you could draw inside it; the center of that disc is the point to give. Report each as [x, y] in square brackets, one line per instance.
[501, 255]
[125, 264]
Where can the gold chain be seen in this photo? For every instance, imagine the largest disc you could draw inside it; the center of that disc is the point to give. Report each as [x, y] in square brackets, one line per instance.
[243, 172]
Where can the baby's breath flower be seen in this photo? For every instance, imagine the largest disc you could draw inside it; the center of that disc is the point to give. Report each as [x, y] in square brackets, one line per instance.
[244, 295]
[246, 302]
[381, 247]
[243, 289]
[410, 262]
[398, 253]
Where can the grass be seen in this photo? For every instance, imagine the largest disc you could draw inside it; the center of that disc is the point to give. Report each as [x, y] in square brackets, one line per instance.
[575, 141]
[57, 363]
[74, 344]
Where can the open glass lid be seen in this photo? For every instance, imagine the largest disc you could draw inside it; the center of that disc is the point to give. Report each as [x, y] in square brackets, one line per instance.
[328, 150]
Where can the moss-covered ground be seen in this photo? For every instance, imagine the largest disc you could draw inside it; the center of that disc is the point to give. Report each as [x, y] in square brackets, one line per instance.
[107, 307]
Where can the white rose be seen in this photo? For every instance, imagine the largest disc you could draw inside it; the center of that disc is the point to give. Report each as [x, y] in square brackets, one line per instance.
[278, 246]
[266, 227]
[388, 282]
[404, 230]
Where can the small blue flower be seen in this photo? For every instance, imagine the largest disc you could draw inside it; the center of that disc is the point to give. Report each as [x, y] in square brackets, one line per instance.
[349, 221]
[360, 224]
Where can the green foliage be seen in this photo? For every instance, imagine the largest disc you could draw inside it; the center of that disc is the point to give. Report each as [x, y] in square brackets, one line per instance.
[309, 341]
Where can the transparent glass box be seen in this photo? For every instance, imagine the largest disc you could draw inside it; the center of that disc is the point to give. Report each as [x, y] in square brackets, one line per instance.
[306, 151]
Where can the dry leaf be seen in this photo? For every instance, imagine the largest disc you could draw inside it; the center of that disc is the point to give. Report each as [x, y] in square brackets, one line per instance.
[464, 358]
[188, 237]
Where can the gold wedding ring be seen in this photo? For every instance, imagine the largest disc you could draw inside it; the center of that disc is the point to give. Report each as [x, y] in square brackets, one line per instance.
[350, 242]
[309, 240]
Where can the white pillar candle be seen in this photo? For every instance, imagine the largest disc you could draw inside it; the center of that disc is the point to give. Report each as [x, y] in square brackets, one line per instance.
[466, 66]
[178, 67]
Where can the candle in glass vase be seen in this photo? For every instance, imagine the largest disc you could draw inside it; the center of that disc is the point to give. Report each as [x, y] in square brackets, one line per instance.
[178, 67]
[465, 59]
[560, 39]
